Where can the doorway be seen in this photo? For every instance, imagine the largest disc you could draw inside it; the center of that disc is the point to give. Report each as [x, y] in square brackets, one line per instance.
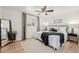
[31, 25]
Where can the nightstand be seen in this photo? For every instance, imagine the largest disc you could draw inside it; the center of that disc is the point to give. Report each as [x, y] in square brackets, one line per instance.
[73, 37]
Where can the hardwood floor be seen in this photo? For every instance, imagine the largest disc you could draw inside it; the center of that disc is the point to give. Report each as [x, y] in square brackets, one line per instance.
[72, 47]
[35, 46]
[12, 48]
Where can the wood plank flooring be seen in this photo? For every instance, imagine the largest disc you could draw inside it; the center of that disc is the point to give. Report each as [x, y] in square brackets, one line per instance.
[12, 48]
[35, 46]
[72, 47]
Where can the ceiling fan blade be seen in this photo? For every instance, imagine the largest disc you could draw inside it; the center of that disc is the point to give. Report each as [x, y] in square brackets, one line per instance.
[37, 11]
[43, 9]
[49, 10]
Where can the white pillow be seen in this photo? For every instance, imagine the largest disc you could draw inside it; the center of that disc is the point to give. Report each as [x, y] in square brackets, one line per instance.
[62, 29]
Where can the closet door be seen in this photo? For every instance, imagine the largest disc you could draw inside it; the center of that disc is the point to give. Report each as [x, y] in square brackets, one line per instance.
[31, 25]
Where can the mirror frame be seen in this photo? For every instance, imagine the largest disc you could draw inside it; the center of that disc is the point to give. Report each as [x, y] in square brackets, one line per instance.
[10, 29]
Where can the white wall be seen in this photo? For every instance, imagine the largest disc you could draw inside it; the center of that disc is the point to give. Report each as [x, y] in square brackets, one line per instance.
[16, 18]
[0, 11]
[74, 16]
[67, 14]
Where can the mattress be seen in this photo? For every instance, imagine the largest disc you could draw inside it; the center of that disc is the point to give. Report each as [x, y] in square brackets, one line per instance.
[38, 35]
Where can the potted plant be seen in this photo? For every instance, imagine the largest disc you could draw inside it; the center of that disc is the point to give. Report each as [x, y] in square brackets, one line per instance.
[11, 36]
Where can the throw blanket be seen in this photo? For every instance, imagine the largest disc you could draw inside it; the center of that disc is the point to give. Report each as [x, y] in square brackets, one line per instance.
[45, 35]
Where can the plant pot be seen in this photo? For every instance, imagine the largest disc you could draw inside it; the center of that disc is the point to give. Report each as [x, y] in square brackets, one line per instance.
[11, 36]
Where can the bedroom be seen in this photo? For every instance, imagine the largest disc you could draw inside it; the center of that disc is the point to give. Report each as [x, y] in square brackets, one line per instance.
[63, 19]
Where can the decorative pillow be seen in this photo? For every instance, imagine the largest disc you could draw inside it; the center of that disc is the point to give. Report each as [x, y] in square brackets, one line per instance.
[52, 29]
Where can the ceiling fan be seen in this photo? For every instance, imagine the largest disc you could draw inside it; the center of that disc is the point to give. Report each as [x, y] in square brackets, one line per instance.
[44, 10]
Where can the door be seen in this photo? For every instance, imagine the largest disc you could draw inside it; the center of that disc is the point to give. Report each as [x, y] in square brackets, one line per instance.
[31, 25]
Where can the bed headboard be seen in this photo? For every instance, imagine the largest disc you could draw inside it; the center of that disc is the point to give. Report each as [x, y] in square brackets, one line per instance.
[58, 27]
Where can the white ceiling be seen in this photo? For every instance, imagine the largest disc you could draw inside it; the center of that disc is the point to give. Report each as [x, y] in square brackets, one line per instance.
[32, 8]
[58, 10]
[17, 8]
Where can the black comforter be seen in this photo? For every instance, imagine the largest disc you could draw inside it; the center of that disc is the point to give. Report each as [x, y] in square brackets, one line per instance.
[45, 35]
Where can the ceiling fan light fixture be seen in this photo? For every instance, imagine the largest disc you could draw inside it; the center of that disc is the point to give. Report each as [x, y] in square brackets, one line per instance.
[44, 11]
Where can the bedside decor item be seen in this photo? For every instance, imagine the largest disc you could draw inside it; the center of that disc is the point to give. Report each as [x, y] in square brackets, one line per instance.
[72, 30]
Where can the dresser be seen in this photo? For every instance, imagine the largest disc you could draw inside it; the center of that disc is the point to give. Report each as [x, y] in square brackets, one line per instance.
[73, 37]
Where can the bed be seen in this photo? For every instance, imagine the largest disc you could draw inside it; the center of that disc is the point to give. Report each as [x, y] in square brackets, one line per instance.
[53, 37]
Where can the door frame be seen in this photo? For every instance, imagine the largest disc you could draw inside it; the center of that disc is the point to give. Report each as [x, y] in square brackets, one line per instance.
[24, 27]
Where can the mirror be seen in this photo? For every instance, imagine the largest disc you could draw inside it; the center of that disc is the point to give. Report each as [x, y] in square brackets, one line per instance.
[4, 28]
